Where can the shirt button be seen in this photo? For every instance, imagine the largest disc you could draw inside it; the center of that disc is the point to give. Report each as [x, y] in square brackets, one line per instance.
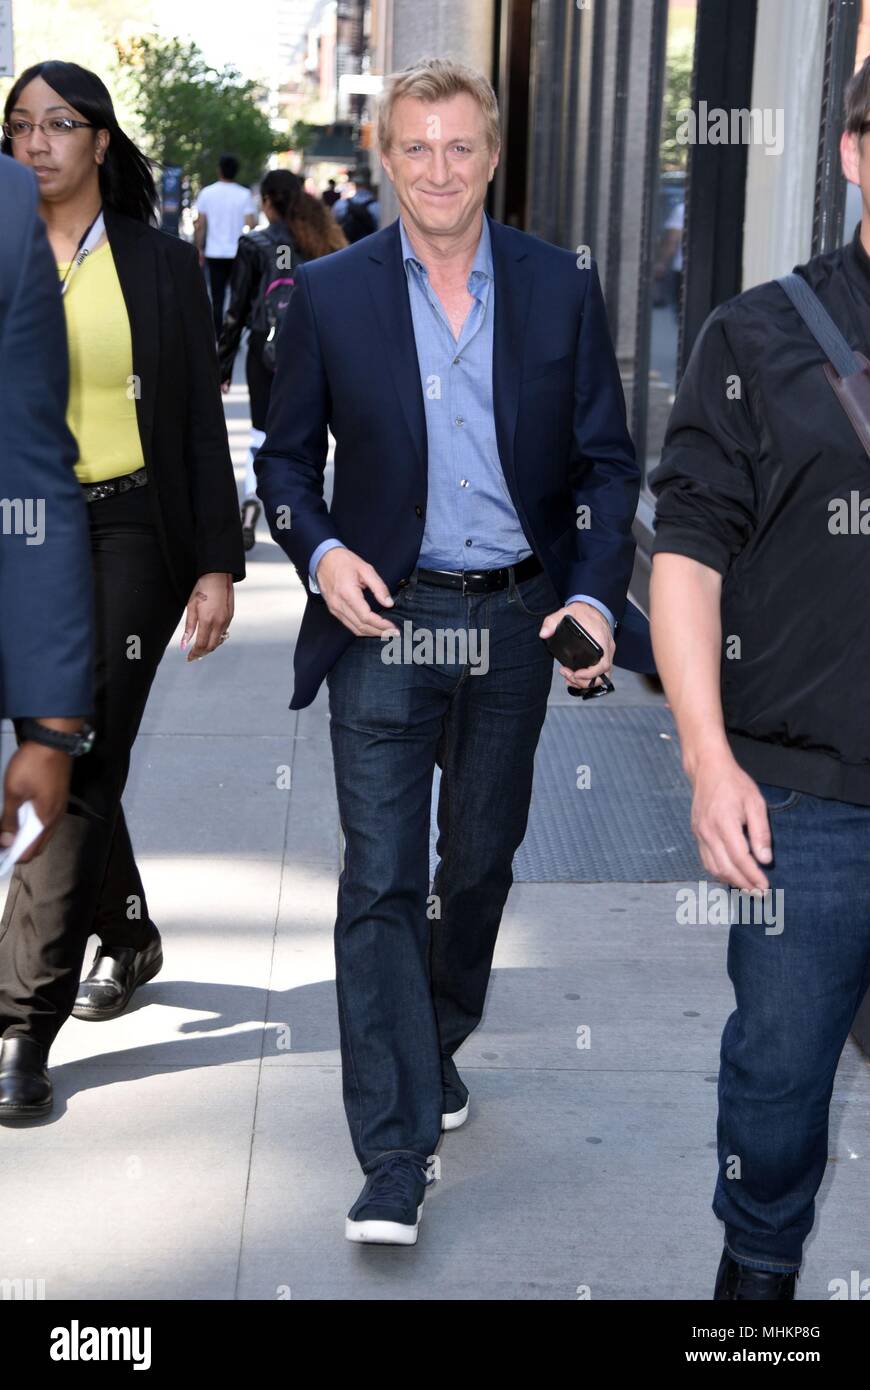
[456, 361]
[469, 542]
[463, 482]
[459, 420]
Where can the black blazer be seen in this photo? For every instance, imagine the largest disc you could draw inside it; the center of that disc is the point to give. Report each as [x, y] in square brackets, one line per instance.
[179, 406]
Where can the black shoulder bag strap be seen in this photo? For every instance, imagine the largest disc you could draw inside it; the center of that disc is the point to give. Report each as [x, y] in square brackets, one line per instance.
[848, 372]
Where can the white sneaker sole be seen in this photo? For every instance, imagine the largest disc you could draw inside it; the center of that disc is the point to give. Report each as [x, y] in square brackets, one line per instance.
[456, 1119]
[382, 1232]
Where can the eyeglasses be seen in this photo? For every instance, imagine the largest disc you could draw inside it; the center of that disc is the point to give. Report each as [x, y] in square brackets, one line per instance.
[57, 125]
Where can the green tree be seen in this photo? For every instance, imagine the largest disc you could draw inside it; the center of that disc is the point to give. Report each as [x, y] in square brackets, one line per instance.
[677, 98]
[191, 113]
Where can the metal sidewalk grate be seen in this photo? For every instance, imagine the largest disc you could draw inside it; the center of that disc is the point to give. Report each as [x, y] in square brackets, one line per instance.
[629, 823]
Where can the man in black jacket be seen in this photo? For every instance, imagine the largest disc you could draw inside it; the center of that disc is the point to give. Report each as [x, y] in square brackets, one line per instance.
[761, 587]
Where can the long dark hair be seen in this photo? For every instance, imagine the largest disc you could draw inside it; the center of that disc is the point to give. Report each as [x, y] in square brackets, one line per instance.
[126, 177]
[282, 188]
[309, 221]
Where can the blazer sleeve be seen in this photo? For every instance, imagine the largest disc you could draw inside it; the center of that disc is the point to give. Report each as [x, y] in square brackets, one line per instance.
[214, 499]
[604, 473]
[291, 462]
[46, 619]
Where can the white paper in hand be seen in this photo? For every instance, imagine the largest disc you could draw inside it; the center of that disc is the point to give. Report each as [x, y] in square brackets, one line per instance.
[29, 828]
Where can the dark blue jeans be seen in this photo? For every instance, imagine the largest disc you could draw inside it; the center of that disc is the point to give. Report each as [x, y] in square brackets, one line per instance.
[412, 969]
[798, 987]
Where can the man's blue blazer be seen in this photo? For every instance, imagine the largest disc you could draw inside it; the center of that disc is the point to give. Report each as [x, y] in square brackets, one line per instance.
[346, 359]
[46, 619]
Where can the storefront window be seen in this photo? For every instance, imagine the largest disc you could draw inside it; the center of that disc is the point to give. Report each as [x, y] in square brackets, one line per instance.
[668, 220]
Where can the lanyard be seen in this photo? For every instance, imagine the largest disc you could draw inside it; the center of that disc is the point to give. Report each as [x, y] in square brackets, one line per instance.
[88, 240]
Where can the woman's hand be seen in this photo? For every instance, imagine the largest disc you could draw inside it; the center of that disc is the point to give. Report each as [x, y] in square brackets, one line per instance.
[209, 614]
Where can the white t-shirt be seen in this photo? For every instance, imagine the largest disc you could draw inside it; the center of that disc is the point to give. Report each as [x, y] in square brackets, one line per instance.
[226, 205]
[675, 223]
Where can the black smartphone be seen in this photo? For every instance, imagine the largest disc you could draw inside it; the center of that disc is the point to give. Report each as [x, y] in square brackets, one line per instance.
[573, 646]
[576, 648]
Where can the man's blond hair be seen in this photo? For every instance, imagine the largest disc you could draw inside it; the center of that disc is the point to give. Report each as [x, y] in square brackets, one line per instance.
[438, 79]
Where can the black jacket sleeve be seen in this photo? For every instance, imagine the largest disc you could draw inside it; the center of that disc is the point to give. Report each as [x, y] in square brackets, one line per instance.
[245, 278]
[705, 484]
[214, 499]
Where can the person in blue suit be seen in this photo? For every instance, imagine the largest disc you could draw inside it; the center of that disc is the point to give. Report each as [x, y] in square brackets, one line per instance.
[485, 487]
[46, 636]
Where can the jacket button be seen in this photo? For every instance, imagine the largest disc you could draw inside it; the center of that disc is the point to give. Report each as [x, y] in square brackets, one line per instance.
[419, 510]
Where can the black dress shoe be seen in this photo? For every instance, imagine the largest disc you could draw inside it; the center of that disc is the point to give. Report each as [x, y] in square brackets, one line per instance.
[740, 1282]
[25, 1090]
[116, 972]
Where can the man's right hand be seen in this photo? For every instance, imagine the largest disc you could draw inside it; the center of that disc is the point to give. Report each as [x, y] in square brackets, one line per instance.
[41, 775]
[341, 577]
[725, 801]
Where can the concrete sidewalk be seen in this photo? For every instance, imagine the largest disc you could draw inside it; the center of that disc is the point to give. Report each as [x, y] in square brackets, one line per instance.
[198, 1147]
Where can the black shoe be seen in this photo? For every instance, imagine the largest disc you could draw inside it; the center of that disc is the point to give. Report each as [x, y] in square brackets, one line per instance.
[116, 972]
[250, 516]
[388, 1210]
[740, 1282]
[25, 1090]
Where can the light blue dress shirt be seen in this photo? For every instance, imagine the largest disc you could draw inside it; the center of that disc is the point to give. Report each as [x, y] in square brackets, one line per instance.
[471, 522]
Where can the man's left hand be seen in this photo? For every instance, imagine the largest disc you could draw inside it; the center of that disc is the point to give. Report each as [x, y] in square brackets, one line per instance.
[598, 627]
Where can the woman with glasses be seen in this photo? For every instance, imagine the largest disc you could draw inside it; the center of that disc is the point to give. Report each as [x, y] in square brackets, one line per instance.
[154, 464]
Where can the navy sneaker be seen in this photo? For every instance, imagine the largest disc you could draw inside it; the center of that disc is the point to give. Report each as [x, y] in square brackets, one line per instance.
[454, 1110]
[388, 1210]
[454, 1096]
[741, 1282]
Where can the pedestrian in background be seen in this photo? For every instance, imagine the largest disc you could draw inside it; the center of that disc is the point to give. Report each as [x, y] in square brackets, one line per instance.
[154, 465]
[223, 209]
[300, 229]
[360, 214]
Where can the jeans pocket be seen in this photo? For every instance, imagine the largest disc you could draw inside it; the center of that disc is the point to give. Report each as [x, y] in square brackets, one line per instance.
[536, 597]
[778, 798]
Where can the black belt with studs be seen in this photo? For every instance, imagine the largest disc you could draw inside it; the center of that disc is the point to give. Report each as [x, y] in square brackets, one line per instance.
[94, 491]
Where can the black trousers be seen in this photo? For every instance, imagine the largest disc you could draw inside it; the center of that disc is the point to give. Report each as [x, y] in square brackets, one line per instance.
[259, 380]
[219, 268]
[86, 879]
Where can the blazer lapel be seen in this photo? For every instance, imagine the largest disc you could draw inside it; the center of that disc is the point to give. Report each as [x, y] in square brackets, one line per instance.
[134, 259]
[513, 288]
[389, 291]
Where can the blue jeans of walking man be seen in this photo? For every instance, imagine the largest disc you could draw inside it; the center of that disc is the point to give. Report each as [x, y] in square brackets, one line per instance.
[798, 988]
[412, 964]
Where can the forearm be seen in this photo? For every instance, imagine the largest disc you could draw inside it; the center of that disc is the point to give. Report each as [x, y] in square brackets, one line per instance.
[686, 630]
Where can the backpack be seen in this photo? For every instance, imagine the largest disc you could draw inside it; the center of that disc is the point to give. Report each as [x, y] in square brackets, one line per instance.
[276, 286]
[357, 221]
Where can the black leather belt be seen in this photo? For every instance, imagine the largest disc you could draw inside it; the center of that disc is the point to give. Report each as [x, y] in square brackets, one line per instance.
[94, 491]
[481, 581]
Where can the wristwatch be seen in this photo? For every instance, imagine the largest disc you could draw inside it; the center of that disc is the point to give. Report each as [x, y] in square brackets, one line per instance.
[31, 731]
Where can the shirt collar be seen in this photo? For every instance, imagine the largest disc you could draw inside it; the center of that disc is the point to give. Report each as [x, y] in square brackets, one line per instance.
[481, 265]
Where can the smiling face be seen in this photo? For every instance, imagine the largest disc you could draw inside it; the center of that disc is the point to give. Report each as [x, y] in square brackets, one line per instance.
[439, 163]
[65, 165]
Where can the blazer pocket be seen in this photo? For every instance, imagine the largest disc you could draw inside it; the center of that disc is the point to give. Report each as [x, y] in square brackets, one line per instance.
[556, 367]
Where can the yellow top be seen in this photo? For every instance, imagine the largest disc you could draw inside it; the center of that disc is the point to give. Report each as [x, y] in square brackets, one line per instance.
[102, 389]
